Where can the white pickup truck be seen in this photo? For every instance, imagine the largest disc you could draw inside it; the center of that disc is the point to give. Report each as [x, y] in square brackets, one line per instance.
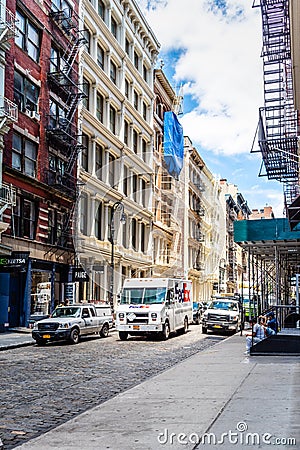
[69, 323]
[223, 314]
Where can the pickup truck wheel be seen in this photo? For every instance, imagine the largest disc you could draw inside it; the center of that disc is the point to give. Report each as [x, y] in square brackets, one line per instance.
[123, 335]
[204, 330]
[166, 332]
[104, 331]
[74, 337]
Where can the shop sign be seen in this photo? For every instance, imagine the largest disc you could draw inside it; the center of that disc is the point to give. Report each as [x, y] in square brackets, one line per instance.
[80, 274]
[16, 260]
[69, 293]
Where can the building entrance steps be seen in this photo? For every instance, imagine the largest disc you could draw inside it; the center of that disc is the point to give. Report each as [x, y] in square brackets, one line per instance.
[218, 391]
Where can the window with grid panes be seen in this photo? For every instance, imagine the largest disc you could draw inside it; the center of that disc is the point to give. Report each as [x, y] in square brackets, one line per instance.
[144, 150]
[143, 233]
[126, 88]
[114, 27]
[111, 169]
[113, 72]
[126, 132]
[83, 213]
[125, 180]
[127, 46]
[136, 100]
[26, 94]
[54, 60]
[98, 222]
[99, 107]
[145, 73]
[144, 111]
[28, 36]
[85, 151]
[112, 119]
[87, 37]
[134, 233]
[134, 187]
[136, 60]
[100, 56]
[101, 9]
[24, 155]
[135, 141]
[99, 160]
[144, 185]
[24, 218]
[86, 91]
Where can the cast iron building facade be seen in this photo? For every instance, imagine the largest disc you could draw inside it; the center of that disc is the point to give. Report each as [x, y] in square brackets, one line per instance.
[117, 69]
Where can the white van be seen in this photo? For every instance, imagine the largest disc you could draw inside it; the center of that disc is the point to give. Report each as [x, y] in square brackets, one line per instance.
[154, 306]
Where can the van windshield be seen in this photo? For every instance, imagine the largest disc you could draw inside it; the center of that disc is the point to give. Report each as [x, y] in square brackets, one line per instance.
[146, 296]
[223, 305]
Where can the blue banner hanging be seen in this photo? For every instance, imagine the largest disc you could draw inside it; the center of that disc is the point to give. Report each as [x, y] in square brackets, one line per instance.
[173, 144]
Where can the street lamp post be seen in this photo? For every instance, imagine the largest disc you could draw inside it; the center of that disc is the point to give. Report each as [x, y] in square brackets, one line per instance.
[117, 206]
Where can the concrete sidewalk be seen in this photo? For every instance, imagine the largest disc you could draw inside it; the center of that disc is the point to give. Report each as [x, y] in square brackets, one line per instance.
[237, 400]
[16, 338]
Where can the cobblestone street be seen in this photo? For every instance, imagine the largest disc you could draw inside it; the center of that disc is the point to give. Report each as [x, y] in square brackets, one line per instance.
[44, 387]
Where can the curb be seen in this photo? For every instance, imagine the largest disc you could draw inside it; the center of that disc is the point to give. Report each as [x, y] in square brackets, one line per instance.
[12, 346]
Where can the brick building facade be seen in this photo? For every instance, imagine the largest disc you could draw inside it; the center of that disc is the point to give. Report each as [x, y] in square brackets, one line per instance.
[40, 157]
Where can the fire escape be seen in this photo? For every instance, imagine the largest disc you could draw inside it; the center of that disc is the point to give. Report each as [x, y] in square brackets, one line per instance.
[62, 129]
[277, 127]
[8, 109]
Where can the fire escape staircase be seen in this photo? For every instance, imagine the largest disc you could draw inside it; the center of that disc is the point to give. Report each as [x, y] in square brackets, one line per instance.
[7, 24]
[62, 132]
[277, 127]
[8, 109]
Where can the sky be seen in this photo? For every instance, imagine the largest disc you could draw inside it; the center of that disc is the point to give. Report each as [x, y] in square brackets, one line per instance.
[210, 53]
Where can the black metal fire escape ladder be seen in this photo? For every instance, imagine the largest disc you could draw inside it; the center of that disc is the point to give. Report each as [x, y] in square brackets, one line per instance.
[63, 133]
[277, 129]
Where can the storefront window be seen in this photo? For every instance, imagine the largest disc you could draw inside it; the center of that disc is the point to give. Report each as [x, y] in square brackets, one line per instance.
[40, 293]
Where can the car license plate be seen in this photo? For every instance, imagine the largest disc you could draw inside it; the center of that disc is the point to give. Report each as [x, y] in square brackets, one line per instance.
[217, 326]
[136, 327]
[46, 336]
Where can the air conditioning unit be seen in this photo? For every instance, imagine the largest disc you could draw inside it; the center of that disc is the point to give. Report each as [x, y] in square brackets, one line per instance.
[34, 115]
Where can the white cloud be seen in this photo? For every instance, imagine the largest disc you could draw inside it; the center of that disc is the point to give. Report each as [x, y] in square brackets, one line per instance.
[220, 67]
[266, 193]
